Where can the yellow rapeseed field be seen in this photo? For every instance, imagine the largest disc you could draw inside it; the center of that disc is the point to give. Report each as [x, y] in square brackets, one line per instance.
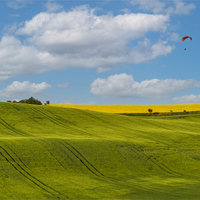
[134, 108]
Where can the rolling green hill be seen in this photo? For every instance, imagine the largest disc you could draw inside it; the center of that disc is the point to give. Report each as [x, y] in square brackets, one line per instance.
[62, 153]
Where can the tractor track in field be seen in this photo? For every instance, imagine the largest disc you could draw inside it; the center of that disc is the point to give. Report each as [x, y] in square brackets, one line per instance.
[15, 107]
[8, 126]
[82, 159]
[40, 143]
[58, 122]
[19, 168]
[17, 157]
[61, 119]
[92, 116]
[153, 160]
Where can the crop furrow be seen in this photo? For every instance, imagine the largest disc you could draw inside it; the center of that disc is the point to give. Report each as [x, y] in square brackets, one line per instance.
[160, 165]
[57, 122]
[138, 153]
[167, 168]
[27, 175]
[51, 154]
[82, 159]
[15, 107]
[157, 163]
[5, 124]
[145, 157]
[149, 159]
[13, 153]
[60, 119]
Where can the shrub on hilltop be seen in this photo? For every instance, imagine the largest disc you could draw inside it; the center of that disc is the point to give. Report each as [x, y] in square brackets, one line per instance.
[31, 100]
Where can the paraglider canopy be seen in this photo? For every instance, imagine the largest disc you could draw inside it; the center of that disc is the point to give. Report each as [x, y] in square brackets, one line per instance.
[183, 39]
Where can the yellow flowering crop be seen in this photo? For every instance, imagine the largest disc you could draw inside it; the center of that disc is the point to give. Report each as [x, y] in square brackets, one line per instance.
[134, 108]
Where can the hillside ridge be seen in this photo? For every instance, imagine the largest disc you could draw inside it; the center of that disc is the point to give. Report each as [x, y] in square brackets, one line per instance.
[64, 153]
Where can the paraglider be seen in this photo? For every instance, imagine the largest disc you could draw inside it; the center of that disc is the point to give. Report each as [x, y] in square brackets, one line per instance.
[183, 39]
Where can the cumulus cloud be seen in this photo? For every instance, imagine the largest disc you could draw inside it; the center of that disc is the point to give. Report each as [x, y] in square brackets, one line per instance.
[81, 39]
[158, 6]
[52, 6]
[145, 51]
[9, 29]
[192, 99]
[173, 36]
[17, 58]
[64, 85]
[180, 8]
[17, 4]
[18, 89]
[124, 86]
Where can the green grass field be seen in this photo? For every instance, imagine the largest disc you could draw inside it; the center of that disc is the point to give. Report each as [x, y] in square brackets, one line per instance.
[64, 153]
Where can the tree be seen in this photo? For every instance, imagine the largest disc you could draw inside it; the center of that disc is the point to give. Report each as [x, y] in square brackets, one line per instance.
[31, 100]
[150, 110]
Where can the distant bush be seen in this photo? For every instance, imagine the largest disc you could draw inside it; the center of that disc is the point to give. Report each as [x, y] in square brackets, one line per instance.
[150, 110]
[31, 100]
[185, 112]
[156, 113]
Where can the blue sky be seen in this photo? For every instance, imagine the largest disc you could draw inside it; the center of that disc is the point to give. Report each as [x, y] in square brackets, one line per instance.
[100, 52]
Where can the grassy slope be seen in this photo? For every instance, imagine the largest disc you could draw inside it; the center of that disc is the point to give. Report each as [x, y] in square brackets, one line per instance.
[51, 152]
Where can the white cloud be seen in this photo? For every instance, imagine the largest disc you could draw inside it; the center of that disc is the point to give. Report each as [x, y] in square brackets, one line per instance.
[126, 10]
[173, 37]
[9, 29]
[81, 39]
[192, 99]
[84, 23]
[18, 89]
[13, 15]
[158, 6]
[17, 58]
[124, 86]
[64, 85]
[52, 7]
[17, 4]
[180, 8]
[145, 52]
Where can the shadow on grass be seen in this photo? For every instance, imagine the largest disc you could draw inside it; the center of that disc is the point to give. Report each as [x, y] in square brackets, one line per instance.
[160, 114]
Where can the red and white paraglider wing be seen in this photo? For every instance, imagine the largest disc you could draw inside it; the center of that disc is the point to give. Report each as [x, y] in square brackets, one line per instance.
[183, 39]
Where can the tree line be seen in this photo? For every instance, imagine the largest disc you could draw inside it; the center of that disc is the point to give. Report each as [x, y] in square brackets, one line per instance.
[31, 100]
